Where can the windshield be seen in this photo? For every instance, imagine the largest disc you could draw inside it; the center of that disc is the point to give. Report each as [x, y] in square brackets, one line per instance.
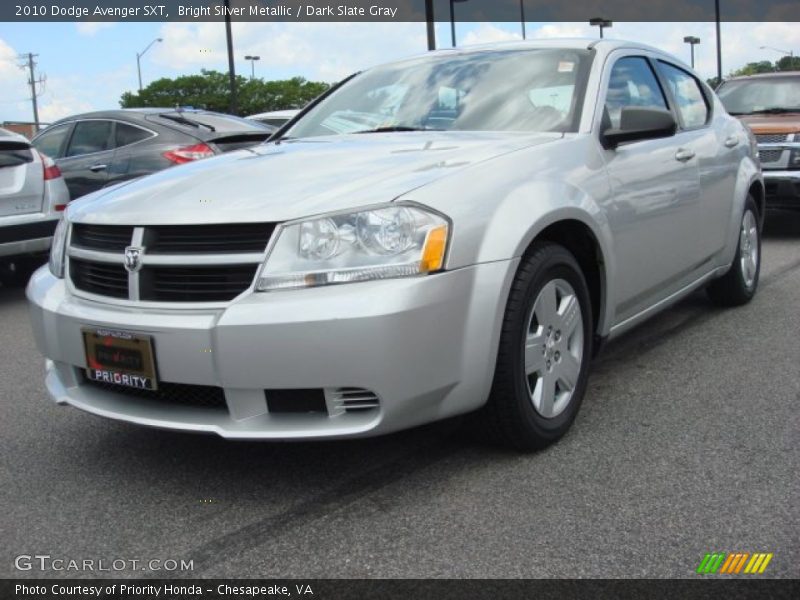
[750, 96]
[514, 90]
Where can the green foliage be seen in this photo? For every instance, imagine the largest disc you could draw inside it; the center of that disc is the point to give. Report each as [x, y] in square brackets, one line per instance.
[787, 63]
[210, 90]
[753, 68]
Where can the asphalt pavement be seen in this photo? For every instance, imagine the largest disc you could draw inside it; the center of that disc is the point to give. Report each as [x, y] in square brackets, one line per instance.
[688, 442]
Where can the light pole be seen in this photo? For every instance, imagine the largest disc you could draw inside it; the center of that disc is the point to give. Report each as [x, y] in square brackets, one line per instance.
[522, 18]
[718, 19]
[252, 60]
[453, 20]
[788, 53]
[601, 23]
[139, 56]
[691, 40]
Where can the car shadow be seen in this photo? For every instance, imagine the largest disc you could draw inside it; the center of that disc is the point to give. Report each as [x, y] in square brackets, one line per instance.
[11, 291]
[783, 225]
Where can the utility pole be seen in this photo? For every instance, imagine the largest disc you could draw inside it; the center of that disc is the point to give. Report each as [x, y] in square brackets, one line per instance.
[231, 69]
[430, 25]
[30, 64]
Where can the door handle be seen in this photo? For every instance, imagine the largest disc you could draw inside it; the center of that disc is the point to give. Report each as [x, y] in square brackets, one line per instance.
[732, 142]
[96, 168]
[684, 155]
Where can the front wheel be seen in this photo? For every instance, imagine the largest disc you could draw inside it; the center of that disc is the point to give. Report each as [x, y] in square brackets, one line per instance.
[544, 353]
[739, 284]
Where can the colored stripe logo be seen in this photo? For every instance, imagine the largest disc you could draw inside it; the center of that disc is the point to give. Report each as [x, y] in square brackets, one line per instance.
[734, 563]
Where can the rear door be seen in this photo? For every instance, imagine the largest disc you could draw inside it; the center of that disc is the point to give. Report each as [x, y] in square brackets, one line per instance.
[21, 179]
[136, 153]
[711, 150]
[87, 157]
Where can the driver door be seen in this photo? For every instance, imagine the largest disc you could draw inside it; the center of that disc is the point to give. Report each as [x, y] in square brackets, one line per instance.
[655, 187]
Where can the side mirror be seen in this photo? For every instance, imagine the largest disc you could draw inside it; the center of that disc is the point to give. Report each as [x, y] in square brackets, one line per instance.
[640, 124]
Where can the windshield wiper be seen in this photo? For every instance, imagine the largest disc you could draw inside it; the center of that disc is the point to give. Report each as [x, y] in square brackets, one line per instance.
[396, 128]
[184, 121]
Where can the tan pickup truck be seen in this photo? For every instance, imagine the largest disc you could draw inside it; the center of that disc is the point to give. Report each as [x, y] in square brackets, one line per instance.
[769, 104]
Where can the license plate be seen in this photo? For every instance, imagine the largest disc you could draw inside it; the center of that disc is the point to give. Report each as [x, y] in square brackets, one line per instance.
[120, 357]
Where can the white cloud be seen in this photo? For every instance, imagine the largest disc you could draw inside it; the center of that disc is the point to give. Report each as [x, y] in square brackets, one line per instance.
[488, 33]
[14, 92]
[90, 28]
[324, 51]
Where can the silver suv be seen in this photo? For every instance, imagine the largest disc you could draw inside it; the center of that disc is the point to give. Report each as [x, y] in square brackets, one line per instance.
[32, 197]
[452, 233]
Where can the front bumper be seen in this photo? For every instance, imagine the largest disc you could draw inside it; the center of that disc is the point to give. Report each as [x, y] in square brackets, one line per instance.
[27, 234]
[782, 189]
[424, 346]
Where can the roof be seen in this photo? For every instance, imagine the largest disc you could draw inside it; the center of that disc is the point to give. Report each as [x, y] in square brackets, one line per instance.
[603, 46]
[118, 112]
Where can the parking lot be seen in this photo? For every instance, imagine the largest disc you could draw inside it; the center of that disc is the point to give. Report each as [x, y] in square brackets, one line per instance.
[688, 442]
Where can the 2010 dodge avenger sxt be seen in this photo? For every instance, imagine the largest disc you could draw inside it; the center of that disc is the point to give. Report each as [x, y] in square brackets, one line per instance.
[452, 233]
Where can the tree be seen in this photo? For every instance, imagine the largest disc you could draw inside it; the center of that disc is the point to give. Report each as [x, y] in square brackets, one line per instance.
[210, 90]
[788, 63]
[752, 68]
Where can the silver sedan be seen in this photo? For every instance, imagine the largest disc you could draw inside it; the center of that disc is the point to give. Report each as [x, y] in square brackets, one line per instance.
[453, 233]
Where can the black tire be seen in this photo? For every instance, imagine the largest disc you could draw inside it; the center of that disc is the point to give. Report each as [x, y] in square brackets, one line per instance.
[732, 289]
[509, 417]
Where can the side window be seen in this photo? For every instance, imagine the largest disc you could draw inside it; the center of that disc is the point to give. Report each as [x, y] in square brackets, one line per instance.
[688, 95]
[128, 134]
[632, 83]
[51, 141]
[90, 136]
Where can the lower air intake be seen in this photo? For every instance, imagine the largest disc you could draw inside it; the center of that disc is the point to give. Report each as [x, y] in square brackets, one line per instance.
[354, 400]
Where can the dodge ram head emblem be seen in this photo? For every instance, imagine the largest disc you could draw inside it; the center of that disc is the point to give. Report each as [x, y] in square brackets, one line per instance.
[133, 258]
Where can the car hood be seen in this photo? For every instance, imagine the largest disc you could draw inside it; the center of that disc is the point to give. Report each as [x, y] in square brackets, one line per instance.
[297, 178]
[783, 123]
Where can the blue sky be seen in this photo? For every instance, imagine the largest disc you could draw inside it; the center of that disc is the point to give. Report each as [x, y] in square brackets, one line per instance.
[89, 65]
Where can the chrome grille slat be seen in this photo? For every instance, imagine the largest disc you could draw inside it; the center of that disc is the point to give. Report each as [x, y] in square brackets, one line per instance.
[771, 138]
[181, 263]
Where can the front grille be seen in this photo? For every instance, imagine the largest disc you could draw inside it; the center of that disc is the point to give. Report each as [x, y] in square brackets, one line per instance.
[183, 394]
[171, 266]
[195, 284]
[113, 238]
[211, 239]
[769, 156]
[103, 279]
[772, 138]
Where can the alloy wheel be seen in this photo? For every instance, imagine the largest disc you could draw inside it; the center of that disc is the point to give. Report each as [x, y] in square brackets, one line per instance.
[553, 348]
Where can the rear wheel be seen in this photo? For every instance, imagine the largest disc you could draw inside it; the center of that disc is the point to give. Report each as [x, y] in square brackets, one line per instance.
[739, 284]
[544, 352]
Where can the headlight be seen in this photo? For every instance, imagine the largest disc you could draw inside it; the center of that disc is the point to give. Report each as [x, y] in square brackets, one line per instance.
[58, 248]
[382, 243]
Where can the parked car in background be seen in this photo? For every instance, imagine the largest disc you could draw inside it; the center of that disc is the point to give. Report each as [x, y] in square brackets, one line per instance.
[33, 196]
[769, 104]
[514, 206]
[98, 149]
[275, 118]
